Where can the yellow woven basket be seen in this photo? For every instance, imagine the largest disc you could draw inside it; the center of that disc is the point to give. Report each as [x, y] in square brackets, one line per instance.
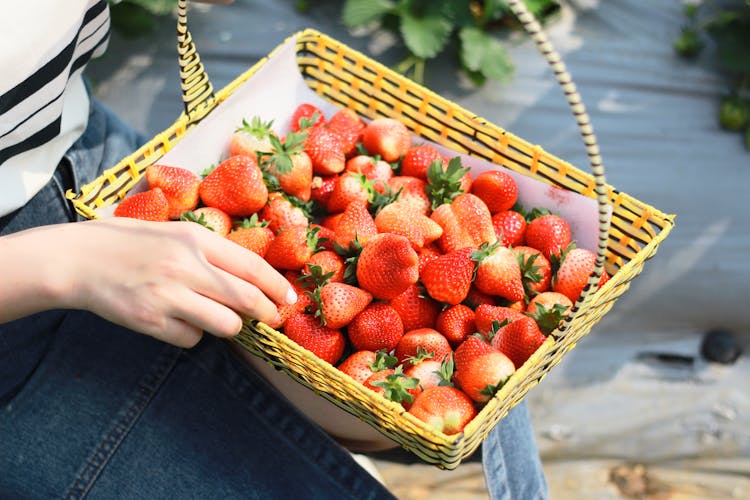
[627, 238]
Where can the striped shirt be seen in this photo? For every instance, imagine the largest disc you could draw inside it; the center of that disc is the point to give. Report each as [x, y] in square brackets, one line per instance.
[45, 46]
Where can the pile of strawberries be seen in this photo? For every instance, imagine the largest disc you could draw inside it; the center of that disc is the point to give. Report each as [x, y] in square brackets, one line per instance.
[422, 282]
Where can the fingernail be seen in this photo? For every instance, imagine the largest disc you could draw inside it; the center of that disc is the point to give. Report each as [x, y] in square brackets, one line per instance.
[291, 296]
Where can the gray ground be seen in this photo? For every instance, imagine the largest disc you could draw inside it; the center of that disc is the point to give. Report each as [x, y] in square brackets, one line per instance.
[654, 116]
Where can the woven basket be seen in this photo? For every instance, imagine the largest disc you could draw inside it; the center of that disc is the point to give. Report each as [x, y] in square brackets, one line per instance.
[627, 238]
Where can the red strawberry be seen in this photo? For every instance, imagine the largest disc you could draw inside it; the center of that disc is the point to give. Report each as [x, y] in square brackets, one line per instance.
[339, 303]
[321, 188]
[291, 166]
[485, 315]
[306, 115]
[456, 323]
[577, 266]
[329, 262]
[510, 227]
[255, 238]
[417, 160]
[349, 127]
[376, 171]
[356, 222]
[415, 308]
[251, 138]
[548, 233]
[292, 248]
[430, 373]
[235, 186]
[483, 375]
[427, 339]
[475, 298]
[448, 278]
[387, 266]
[548, 309]
[427, 254]
[325, 150]
[519, 340]
[325, 342]
[148, 205]
[466, 222]
[179, 185]
[386, 137]
[401, 218]
[498, 272]
[377, 327]
[497, 189]
[214, 219]
[360, 365]
[536, 270]
[349, 187]
[444, 409]
[474, 345]
[280, 212]
[411, 192]
[325, 236]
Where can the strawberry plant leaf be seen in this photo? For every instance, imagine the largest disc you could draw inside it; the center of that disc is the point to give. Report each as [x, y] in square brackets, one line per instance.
[425, 36]
[360, 12]
[483, 53]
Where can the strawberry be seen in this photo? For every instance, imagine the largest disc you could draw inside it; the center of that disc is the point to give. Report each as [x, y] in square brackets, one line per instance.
[377, 327]
[474, 346]
[400, 218]
[485, 315]
[306, 115]
[536, 270]
[497, 189]
[519, 340]
[360, 365]
[251, 138]
[430, 373]
[291, 166]
[212, 218]
[325, 342]
[427, 254]
[349, 187]
[575, 269]
[412, 191]
[329, 262]
[282, 211]
[292, 248]
[456, 323]
[444, 409]
[235, 186]
[392, 384]
[377, 171]
[338, 303]
[346, 124]
[475, 298]
[148, 205]
[387, 138]
[356, 222]
[325, 236]
[179, 185]
[415, 308]
[321, 188]
[387, 266]
[448, 277]
[427, 339]
[325, 151]
[255, 237]
[549, 309]
[482, 376]
[498, 272]
[417, 160]
[510, 227]
[548, 233]
[466, 222]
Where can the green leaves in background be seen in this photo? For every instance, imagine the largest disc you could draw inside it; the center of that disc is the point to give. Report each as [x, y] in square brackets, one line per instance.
[133, 18]
[427, 28]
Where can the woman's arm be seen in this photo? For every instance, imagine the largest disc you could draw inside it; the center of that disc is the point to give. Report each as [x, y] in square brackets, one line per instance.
[170, 280]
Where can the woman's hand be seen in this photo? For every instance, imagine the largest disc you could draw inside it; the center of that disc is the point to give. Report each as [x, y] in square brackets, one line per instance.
[170, 280]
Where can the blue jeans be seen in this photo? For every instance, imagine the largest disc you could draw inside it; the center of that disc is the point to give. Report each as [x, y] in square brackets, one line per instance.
[88, 408]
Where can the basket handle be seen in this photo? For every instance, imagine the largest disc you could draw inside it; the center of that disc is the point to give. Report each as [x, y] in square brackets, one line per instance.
[197, 91]
[535, 31]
